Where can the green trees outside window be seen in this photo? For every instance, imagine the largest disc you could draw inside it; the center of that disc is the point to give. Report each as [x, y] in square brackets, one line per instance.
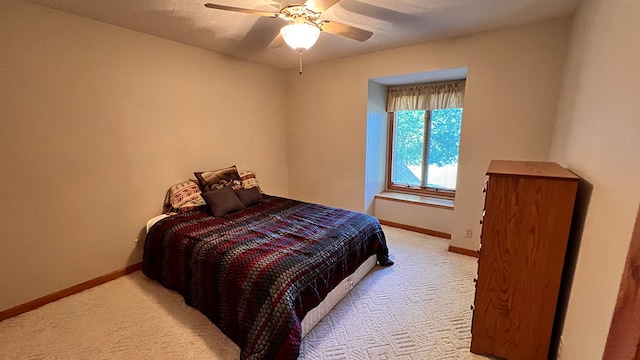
[436, 145]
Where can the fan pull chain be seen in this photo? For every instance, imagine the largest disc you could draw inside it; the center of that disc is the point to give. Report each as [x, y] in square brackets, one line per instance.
[300, 69]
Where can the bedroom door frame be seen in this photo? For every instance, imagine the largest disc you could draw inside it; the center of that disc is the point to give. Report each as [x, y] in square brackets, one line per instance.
[623, 342]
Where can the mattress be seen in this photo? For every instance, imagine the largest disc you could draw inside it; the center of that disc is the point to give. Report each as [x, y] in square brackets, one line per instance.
[316, 314]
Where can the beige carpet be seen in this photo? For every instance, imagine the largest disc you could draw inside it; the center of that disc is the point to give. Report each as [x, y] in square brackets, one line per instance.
[416, 309]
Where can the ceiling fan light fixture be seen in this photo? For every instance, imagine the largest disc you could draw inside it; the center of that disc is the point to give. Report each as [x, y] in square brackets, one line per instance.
[300, 35]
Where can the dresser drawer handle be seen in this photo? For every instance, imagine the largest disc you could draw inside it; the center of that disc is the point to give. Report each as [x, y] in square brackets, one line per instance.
[480, 222]
[472, 307]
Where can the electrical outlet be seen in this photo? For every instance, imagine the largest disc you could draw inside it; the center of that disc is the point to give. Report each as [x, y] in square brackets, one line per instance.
[468, 233]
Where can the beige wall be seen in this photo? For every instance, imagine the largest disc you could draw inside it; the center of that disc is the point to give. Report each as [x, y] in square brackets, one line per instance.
[96, 123]
[376, 144]
[598, 137]
[513, 82]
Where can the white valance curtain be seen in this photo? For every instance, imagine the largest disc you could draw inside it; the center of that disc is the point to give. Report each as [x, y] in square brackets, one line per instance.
[426, 97]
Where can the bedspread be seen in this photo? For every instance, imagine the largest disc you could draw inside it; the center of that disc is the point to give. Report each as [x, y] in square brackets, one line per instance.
[257, 272]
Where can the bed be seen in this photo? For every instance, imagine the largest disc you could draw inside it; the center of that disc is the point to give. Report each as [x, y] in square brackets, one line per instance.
[261, 274]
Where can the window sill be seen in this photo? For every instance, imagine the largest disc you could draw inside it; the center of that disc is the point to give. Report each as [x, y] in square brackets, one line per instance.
[417, 199]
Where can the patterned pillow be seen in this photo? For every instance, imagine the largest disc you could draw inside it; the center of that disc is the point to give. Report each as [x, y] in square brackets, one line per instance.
[184, 196]
[248, 179]
[211, 180]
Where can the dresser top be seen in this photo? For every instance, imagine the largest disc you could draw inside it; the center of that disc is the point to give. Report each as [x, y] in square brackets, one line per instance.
[530, 169]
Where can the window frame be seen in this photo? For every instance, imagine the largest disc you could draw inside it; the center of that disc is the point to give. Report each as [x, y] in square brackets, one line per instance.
[417, 190]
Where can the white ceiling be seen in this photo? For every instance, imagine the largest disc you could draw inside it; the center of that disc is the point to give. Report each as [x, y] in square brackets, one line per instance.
[394, 23]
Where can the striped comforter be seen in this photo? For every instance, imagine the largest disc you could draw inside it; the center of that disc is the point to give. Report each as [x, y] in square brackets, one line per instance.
[257, 272]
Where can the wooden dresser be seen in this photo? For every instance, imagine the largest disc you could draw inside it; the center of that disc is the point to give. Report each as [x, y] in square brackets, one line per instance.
[525, 228]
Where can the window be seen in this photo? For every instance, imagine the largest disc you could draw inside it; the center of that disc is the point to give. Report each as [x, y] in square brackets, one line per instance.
[424, 143]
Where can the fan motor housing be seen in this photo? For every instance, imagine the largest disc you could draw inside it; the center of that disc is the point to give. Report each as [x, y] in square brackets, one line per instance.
[287, 3]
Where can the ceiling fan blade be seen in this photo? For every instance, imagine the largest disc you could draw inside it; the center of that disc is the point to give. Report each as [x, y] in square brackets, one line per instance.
[263, 31]
[347, 31]
[242, 10]
[320, 5]
[277, 42]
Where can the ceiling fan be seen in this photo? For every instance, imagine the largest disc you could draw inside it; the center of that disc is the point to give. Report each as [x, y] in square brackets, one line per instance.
[305, 23]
